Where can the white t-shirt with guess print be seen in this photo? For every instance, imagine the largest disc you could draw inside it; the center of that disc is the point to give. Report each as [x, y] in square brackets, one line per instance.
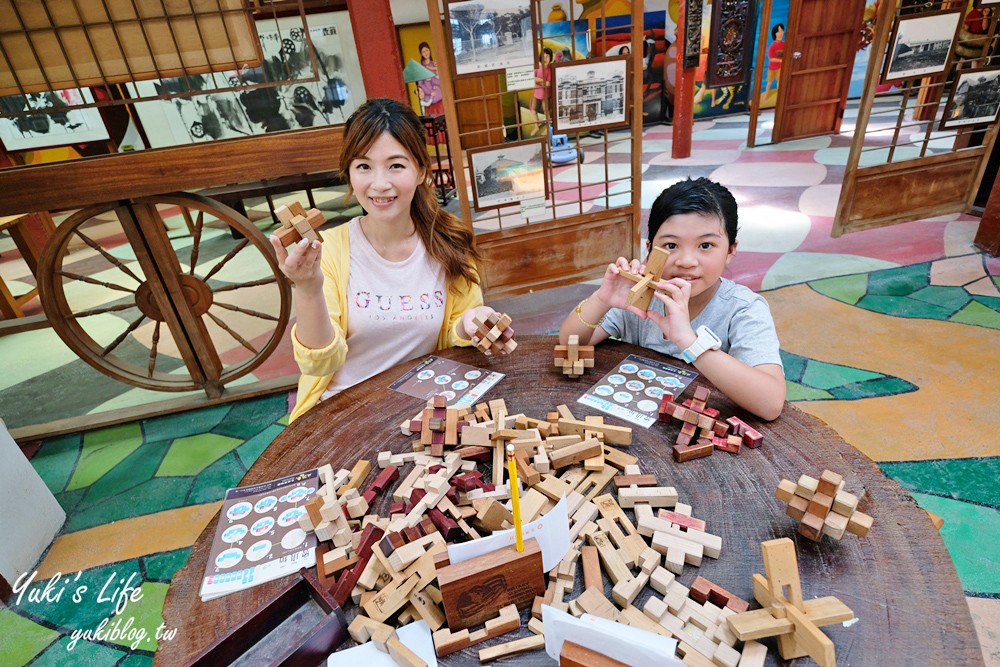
[395, 310]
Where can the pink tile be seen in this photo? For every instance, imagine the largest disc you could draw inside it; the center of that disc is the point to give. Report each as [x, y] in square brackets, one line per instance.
[778, 156]
[992, 265]
[749, 268]
[907, 243]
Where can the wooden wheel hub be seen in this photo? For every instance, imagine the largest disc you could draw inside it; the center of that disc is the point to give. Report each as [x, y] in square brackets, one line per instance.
[196, 293]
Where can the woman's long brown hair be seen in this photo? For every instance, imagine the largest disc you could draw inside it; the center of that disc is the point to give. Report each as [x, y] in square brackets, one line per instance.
[446, 237]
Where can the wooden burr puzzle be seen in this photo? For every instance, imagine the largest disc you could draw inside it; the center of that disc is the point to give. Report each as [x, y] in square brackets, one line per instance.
[822, 507]
[298, 223]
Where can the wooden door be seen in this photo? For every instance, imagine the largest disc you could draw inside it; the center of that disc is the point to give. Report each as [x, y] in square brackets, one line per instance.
[820, 45]
[480, 112]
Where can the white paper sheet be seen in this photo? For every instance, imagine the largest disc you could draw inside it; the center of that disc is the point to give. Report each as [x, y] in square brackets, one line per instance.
[626, 644]
[551, 531]
[416, 637]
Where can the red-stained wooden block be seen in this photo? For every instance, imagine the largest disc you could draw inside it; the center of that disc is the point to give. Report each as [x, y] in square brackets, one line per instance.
[435, 468]
[387, 476]
[711, 412]
[682, 520]
[437, 438]
[721, 429]
[475, 453]
[452, 495]
[701, 393]
[683, 439]
[412, 533]
[703, 590]
[369, 537]
[416, 425]
[397, 507]
[416, 495]
[445, 525]
[726, 446]
[489, 486]
[369, 496]
[437, 448]
[427, 526]
[439, 401]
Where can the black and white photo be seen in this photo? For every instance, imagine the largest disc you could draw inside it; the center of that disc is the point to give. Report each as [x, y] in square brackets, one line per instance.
[974, 99]
[505, 174]
[590, 95]
[921, 45]
[487, 36]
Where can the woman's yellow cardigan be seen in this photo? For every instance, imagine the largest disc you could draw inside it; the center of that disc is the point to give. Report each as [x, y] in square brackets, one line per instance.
[319, 365]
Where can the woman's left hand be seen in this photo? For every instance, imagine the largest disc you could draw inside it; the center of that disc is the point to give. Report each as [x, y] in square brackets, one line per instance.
[472, 330]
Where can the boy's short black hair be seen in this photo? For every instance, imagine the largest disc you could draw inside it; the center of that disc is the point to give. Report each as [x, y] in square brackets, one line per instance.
[699, 195]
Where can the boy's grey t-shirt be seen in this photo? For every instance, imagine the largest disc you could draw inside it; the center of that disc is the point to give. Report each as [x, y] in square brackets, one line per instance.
[738, 316]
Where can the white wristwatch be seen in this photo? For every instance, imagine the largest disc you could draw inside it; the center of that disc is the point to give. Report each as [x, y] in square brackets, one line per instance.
[707, 340]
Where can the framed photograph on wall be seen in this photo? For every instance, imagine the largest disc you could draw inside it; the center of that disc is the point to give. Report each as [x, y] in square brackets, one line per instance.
[227, 114]
[921, 45]
[974, 99]
[488, 36]
[590, 95]
[51, 126]
[985, 3]
[506, 174]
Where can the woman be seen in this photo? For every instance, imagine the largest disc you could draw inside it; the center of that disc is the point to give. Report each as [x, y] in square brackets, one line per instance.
[431, 98]
[393, 284]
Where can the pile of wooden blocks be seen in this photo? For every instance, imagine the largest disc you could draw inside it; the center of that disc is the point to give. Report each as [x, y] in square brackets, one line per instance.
[298, 223]
[397, 570]
[701, 424]
[574, 358]
[822, 507]
[494, 334]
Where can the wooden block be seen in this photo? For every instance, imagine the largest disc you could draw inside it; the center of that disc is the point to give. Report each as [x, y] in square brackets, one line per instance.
[835, 525]
[661, 578]
[820, 505]
[574, 655]
[754, 654]
[845, 503]
[516, 647]
[593, 602]
[859, 524]
[611, 560]
[618, 458]
[654, 496]
[829, 483]
[566, 456]
[696, 450]
[665, 543]
[682, 520]
[625, 592]
[625, 481]
[785, 491]
[591, 568]
[811, 526]
[618, 435]
[390, 599]
[806, 487]
[797, 507]
[474, 590]
[595, 463]
[402, 655]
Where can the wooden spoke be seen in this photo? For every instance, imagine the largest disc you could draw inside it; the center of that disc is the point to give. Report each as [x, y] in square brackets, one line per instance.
[245, 311]
[197, 240]
[222, 262]
[92, 281]
[225, 327]
[152, 350]
[101, 311]
[108, 256]
[254, 283]
[117, 341]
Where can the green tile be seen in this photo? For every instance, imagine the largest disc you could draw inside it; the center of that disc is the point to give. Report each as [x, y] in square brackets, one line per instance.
[949, 298]
[161, 567]
[903, 307]
[978, 314]
[191, 455]
[798, 392]
[901, 281]
[55, 459]
[212, 483]
[137, 660]
[250, 450]
[184, 423]
[82, 653]
[88, 612]
[822, 375]
[965, 527]
[22, 639]
[248, 418]
[794, 365]
[145, 614]
[992, 302]
[152, 496]
[284, 420]
[70, 500]
[103, 450]
[846, 288]
[131, 472]
[880, 386]
[974, 480]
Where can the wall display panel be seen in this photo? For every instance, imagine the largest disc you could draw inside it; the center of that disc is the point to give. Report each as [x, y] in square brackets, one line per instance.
[731, 43]
[505, 174]
[288, 55]
[921, 45]
[489, 36]
[591, 95]
[72, 125]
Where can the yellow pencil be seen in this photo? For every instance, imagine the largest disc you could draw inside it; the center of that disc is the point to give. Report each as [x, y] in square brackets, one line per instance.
[515, 499]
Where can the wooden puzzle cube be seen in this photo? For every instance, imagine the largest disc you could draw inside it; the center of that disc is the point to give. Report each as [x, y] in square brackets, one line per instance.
[574, 358]
[822, 507]
[494, 335]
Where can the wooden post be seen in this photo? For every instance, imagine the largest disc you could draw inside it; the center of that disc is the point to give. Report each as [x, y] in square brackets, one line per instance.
[758, 73]
[683, 96]
[378, 49]
[988, 234]
[638, 33]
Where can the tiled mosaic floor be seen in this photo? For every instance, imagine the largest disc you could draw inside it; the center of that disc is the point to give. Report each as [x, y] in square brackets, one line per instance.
[888, 335]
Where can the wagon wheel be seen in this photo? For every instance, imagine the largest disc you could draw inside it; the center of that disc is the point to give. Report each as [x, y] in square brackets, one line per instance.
[160, 308]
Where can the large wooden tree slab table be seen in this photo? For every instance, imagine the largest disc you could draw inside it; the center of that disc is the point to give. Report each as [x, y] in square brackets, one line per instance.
[899, 580]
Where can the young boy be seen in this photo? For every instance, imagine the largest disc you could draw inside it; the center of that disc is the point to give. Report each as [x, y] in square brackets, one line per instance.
[724, 329]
